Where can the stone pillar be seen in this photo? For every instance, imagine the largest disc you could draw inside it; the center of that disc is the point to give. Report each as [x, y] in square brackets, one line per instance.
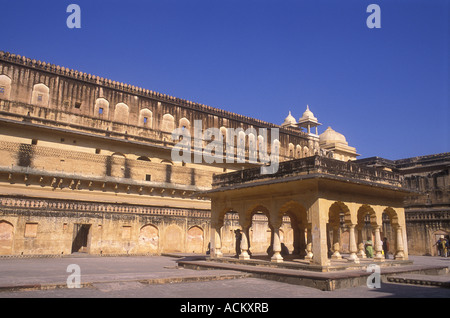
[244, 244]
[319, 233]
[309, 254]
[378, 245]
[276, 258]
[216, 242]
[336, 245]
[353, 248]
[399, 254]
[361, 252]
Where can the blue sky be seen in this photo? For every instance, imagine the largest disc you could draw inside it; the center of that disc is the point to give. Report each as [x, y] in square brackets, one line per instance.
[386, 90]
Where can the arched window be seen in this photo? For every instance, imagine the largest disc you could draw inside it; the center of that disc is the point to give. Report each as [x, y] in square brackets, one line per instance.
[121, 113]
[185, 123]
[168, 123]
[305, 152]
[40, 95]
[291, 150]
[146, 118]
[5, 87]
[101, 108]
[298, 151]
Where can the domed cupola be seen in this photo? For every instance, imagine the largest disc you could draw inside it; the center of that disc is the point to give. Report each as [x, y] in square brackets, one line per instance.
[308, 121]
[289, 121]
[336, 143]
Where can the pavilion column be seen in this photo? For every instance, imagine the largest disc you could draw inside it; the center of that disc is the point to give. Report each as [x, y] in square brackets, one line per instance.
[216, 242]
[244, 244]
[300, 241]
[361, 253]
[308, 239]
[336, 245]
[319, 218]
[378, 245]
[276, 258]
[353, 248]
[399, 254]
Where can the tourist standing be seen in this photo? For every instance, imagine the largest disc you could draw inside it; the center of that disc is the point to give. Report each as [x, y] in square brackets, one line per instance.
[386, 248]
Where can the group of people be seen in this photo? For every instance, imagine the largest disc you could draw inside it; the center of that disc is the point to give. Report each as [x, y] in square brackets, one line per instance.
[369, 248]
[443, 246]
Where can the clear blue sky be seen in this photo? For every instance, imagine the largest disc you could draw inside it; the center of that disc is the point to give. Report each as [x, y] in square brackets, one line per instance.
[386, 90]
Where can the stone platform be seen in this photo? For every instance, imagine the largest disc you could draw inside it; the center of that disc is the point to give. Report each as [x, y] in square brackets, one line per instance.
[339, 274]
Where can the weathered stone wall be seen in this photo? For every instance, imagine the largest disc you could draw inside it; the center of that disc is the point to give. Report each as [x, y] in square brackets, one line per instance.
[60, 95]
[42, 226]
[427, 209]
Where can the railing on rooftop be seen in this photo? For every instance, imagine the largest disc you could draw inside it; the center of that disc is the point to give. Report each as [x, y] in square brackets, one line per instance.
[307, 166]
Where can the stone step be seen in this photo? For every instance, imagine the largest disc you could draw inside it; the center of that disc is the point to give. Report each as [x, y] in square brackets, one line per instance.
[419, 279]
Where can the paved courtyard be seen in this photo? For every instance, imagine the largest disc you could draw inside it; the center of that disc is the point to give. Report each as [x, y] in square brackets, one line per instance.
[159, 277]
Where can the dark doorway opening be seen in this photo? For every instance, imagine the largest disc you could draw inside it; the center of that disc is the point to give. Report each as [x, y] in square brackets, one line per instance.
[80, 238]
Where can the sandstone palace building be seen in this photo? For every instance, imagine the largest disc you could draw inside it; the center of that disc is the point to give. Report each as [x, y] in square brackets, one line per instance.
[86, 166]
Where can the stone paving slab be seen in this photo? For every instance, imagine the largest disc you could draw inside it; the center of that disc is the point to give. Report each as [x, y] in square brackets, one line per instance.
[50, 273]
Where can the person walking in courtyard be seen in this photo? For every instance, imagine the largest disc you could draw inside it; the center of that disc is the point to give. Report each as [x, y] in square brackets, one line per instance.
[386, 248]
[369, 248]
[441, 245]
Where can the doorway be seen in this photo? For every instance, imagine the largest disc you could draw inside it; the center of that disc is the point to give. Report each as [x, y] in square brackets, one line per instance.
[80, 238]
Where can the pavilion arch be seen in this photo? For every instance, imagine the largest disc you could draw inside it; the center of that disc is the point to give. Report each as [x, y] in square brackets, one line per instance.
[224, 225]
[298, 216]
[246, 220]
[393, 216]
[257, 208]
[398, 235]
[294, 210]
[337, 213]
[366, 211]
[366, 225]
[143, 158]
[337, 210]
